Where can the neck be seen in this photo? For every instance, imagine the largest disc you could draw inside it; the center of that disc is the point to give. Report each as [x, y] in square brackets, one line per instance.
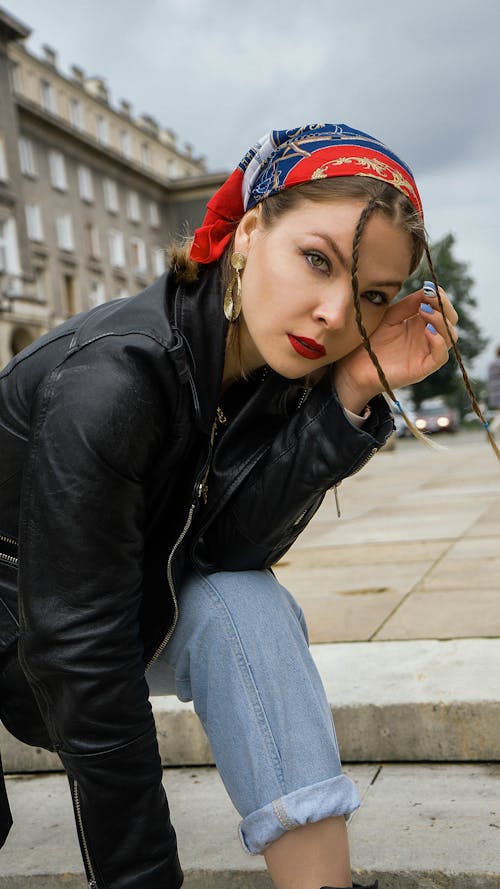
[238, 361]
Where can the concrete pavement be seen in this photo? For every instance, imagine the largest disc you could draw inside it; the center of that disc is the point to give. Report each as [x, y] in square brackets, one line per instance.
[416, 553]
[419, 827]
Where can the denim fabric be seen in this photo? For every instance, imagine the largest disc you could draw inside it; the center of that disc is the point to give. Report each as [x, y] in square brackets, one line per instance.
[240, 652]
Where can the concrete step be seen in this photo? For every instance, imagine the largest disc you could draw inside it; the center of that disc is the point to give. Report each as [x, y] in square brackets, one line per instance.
[431, 826]
[392, 701]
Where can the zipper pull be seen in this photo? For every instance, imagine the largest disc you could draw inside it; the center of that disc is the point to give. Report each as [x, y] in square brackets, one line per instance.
[337, 502]
[93, 884]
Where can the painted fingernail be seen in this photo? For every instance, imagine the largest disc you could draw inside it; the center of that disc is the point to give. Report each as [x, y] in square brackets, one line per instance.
[426, 308]
[431, 328]
[428, 287]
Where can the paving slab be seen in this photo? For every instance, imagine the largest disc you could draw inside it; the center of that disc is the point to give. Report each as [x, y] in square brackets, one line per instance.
[393, 552]
[431, 827]
[452, 614]
[441, 827]
[348, 618]
[476, 548]
[391, 701]
[344, 580]
[474, 573]
[407, 521]
[350, 602]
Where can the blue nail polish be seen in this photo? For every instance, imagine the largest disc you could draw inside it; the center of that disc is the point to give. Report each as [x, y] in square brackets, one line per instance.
[428, 287]
[426, 308]
[431, 328]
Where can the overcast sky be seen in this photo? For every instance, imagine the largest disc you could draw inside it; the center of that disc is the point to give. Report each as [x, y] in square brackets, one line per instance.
[422, 76]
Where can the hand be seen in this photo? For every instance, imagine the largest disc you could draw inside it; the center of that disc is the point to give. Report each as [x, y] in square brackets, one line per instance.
[405, 345]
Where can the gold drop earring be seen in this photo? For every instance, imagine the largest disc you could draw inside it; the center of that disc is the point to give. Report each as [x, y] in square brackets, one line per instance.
[232, 297]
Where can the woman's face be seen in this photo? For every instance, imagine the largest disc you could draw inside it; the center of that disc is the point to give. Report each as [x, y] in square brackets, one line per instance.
[297, 305]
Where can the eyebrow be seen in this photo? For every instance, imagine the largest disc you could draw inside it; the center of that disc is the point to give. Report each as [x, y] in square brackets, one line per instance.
[334, 247]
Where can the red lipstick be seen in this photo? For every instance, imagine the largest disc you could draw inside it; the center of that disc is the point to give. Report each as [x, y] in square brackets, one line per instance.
[306, 347]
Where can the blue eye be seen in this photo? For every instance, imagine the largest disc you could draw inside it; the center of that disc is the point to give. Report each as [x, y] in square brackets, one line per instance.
[376, 297]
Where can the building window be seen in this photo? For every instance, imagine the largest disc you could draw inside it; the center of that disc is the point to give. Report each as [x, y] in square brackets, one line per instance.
[48, 97]
[64, 227]
[69, 295]
[34, 222]
[102, 129]
[158, 255]
[133, 208]
[146, 154]
[57, 168]
[27, 157]
[75, 111]
[154, 214]
[116, 248]
[93, 240]
[110, 195]
[16, 77]
[172, 168]
[125, 144]
[85, 184]
[97, 292]
[4, 175]
[9, 253]
[139, 260]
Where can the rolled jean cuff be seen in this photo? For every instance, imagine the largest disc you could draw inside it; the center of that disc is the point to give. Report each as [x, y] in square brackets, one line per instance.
[335, 796]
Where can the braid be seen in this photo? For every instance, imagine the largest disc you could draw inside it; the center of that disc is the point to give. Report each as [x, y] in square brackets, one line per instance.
[373, 204]
[367, 211]
[456, 352]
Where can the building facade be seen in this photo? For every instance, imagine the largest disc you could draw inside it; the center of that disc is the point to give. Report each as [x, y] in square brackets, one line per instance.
[89, 194]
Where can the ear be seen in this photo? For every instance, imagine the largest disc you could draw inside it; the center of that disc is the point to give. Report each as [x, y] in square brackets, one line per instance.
[248, 225]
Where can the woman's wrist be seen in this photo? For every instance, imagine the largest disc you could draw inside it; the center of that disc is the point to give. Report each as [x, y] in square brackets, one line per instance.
[352, 396]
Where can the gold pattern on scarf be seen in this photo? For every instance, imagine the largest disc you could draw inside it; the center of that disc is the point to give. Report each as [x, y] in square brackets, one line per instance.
[380, 170]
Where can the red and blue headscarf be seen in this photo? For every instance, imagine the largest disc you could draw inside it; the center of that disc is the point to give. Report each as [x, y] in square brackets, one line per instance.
[284, 158]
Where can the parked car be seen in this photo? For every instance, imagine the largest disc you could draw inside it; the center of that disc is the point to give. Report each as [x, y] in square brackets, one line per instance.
[436, 416]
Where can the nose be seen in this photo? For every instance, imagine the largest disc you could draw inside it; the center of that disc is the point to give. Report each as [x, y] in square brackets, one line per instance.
[335, 309]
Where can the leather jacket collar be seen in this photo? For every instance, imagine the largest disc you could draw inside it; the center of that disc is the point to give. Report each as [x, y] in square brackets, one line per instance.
[198, 317]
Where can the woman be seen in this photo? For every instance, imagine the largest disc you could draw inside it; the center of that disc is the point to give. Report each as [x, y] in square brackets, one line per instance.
[160, 453]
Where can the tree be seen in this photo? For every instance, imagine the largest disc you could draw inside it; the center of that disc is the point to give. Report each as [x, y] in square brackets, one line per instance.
[454, 277]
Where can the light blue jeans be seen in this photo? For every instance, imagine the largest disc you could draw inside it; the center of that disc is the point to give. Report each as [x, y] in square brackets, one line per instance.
[240, 653]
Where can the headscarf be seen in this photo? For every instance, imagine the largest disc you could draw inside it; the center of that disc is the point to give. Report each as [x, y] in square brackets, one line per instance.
[283, 158]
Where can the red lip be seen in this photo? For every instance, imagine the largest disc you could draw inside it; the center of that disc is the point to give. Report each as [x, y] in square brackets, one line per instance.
[306, 347]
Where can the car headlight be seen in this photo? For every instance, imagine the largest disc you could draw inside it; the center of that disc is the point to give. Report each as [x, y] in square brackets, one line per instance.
[421, 423]
[443, 422]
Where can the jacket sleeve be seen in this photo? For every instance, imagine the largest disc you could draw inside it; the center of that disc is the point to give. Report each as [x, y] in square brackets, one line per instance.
[96, 426]
[314, 451]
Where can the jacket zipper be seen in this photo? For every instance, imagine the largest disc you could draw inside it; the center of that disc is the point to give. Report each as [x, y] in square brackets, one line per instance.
[305, 393]
[201, 490]
[170, 579]
[364, 462]
[5, 557]
[92, 882]
[358, 469]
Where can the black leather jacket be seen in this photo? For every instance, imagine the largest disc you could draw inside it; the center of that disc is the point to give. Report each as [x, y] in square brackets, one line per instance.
[112, 475]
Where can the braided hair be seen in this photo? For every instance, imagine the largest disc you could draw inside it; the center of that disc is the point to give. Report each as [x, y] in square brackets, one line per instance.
[372, 205]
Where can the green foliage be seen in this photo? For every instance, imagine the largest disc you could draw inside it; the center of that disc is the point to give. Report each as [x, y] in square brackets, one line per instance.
[454, 277]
